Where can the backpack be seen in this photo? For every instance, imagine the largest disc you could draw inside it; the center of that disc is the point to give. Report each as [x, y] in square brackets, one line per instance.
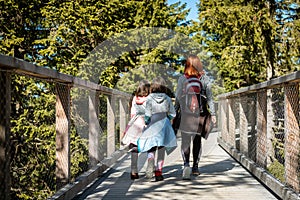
[191, 99]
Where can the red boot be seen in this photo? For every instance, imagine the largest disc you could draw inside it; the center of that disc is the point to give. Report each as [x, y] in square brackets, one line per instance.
[158, 176]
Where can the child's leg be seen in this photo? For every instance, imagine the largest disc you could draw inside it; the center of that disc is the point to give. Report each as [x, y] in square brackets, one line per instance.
[150, 166]
[160, 161]
[134, 159]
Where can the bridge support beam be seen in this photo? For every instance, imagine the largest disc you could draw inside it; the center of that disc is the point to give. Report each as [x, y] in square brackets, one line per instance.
[223, 118]
[111, 119]
[231, 124]
[123, 117]
[252, 119]
[292, 135]
[63, 125]
[94, 128]
[5, 93]
[262, 150]
[243, 130]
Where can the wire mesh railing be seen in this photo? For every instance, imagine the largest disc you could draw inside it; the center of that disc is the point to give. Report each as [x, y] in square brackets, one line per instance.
[54, 128]
[261, 124]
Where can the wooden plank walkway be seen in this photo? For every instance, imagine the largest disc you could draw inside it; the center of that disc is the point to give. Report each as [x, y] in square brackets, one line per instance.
[221, 178]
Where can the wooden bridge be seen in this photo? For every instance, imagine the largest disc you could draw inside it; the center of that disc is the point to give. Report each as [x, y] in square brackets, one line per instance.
[221, 178]
[257, 132]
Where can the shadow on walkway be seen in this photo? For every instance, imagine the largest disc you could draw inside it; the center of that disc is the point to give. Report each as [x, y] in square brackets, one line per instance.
[221, 178]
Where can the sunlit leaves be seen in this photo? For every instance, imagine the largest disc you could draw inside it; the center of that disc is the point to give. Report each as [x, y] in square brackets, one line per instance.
[248, 40]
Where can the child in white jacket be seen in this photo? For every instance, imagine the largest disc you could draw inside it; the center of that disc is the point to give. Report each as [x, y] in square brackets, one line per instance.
[159, 133]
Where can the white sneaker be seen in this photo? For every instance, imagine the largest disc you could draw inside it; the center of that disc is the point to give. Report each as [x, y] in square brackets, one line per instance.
[186, 175]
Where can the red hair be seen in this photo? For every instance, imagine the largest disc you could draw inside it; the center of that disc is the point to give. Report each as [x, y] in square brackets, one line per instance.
[193, 66]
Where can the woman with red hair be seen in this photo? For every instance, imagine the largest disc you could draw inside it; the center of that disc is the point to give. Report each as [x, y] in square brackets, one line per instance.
[192, 126]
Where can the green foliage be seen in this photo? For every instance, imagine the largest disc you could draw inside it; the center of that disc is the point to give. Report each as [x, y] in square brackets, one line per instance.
[20, 27]
[77, 28]
[277, 170]
[248, 41]
[289, 37]
[33, 139]
[79, 155]
[130, 80]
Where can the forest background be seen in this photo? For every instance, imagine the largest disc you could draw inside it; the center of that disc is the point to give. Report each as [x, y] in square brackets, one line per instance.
[245, 42]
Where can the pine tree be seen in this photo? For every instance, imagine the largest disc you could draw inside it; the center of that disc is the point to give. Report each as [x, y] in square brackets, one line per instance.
[244, 39]
[32, 107]
[288, 18]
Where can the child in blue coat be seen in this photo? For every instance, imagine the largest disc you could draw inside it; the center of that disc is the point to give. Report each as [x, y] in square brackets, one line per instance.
[158, 133]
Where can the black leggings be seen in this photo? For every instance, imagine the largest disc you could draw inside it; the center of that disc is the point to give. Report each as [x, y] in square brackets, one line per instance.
[185, 148]
[134, 158]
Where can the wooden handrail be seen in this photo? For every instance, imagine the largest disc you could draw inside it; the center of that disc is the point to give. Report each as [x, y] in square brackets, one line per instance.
[22, 67]
[293, 77]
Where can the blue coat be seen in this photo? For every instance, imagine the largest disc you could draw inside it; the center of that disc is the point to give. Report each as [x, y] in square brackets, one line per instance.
[159, 132]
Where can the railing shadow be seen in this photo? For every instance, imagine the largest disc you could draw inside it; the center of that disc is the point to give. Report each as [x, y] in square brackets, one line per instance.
[122, 187]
